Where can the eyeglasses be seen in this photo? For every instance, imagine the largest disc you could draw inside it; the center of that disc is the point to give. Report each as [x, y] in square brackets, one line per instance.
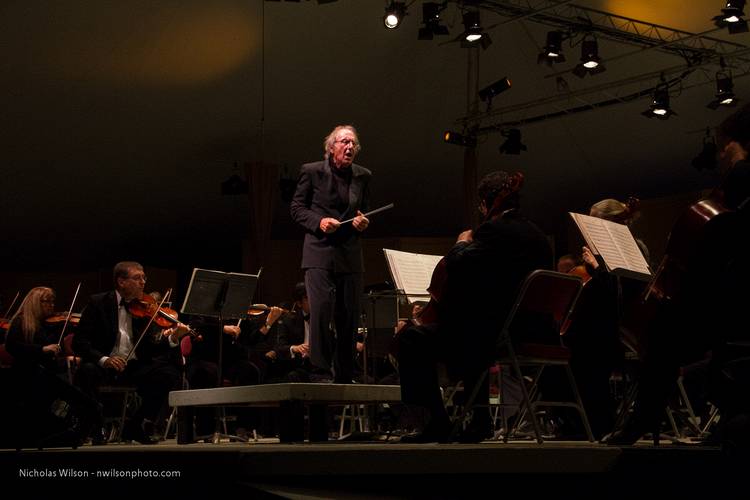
[138, 277]
[347, 142]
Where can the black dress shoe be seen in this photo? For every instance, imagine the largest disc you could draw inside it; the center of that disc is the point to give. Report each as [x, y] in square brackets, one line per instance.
[626, 436]
[424, 437]
[432, 433]
[139, 431]
[98, 437]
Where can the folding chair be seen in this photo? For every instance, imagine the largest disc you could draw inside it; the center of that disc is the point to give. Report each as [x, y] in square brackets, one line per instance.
[543, 294]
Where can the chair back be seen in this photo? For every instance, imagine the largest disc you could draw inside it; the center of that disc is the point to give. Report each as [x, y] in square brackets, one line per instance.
[67, 345]
[546, 294]
[186, 346]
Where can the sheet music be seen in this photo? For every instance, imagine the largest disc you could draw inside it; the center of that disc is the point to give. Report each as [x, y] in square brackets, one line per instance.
[411, 272]
[616, 245]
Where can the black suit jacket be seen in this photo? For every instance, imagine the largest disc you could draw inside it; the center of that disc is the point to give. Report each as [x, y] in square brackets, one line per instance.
[97, 332]
[483, 279]
[316, 197]
[291, 331]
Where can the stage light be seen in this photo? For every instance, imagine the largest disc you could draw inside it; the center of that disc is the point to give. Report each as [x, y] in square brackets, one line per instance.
[452, 137]
[552, 52]
[487, 93]
[512, 144]
[660, 104]
[394, 14]
[724, 91]
[473, 34]
[590, 63]
[431, 20]
[732, 17]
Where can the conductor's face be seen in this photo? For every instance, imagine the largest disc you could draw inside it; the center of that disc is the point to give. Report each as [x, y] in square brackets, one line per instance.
[344, 148]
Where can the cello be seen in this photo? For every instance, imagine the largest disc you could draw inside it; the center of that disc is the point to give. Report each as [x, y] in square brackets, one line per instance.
[698, 235]
[438, 281]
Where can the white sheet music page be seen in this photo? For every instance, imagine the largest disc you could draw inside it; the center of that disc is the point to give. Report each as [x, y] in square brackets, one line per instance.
[616, 245]
[411, 272]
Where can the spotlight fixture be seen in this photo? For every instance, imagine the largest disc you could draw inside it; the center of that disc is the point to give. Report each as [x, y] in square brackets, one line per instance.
[732, 17]
[724, 91]
[590, 63]
[473, 34]
[452, 137]
[552, 52]
[660, 104]
[394, 14]
[487, 93]
[706, 159]
[512, 144]
[431, 20]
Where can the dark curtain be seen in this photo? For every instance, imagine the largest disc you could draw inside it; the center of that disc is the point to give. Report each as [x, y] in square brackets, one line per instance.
[263, 181]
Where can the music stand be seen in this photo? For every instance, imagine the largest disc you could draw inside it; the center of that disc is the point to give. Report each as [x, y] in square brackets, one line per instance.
[216, 294]
[380, 315]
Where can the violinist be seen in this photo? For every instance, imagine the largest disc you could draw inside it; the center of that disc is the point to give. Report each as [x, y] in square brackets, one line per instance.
[594, 333]
[106, 339]
[707, 311]
[247, 355]
[484, 270]
[292, 346]
[38, 375]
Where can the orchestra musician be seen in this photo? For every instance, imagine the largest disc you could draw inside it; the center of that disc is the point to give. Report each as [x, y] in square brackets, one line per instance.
[246, 356]
[483, 271]
[106, 339]
[330, 191]
[39, 373]
[704, 309]
[594, 333]
[293, 341]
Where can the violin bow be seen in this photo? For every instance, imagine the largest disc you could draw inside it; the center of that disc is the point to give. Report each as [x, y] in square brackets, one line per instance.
[67, 317]
[148, 325]
[10, 308]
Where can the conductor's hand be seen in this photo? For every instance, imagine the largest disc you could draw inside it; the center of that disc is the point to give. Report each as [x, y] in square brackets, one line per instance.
[329, 225]
[360, 222]
[116, 363]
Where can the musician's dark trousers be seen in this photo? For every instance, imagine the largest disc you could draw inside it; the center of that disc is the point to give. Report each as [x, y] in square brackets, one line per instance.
[334, 299]
[420, 348]
[153, 381]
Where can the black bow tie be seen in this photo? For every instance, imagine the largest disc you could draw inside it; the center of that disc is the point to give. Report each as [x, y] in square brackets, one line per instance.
[123, 303]
[306, 317]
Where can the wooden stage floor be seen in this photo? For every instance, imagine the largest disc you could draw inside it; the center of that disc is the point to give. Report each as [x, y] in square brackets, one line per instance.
[376, 469]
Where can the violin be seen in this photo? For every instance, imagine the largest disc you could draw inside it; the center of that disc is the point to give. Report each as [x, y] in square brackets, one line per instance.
[60, 317]
[581, 272]
[146, 307]
[259, 309]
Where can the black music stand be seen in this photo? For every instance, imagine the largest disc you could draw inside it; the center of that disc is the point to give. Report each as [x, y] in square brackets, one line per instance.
[380, 317]
[216, 294]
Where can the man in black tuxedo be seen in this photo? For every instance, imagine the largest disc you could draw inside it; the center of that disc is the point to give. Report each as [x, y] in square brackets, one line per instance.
[107, 333]
[292, 348]
[483, 272]
[328, 192]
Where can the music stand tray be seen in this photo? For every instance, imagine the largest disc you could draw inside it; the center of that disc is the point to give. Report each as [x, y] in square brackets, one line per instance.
[216, 294]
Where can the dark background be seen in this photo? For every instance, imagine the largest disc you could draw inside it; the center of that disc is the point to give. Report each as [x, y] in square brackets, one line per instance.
[122, 119]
